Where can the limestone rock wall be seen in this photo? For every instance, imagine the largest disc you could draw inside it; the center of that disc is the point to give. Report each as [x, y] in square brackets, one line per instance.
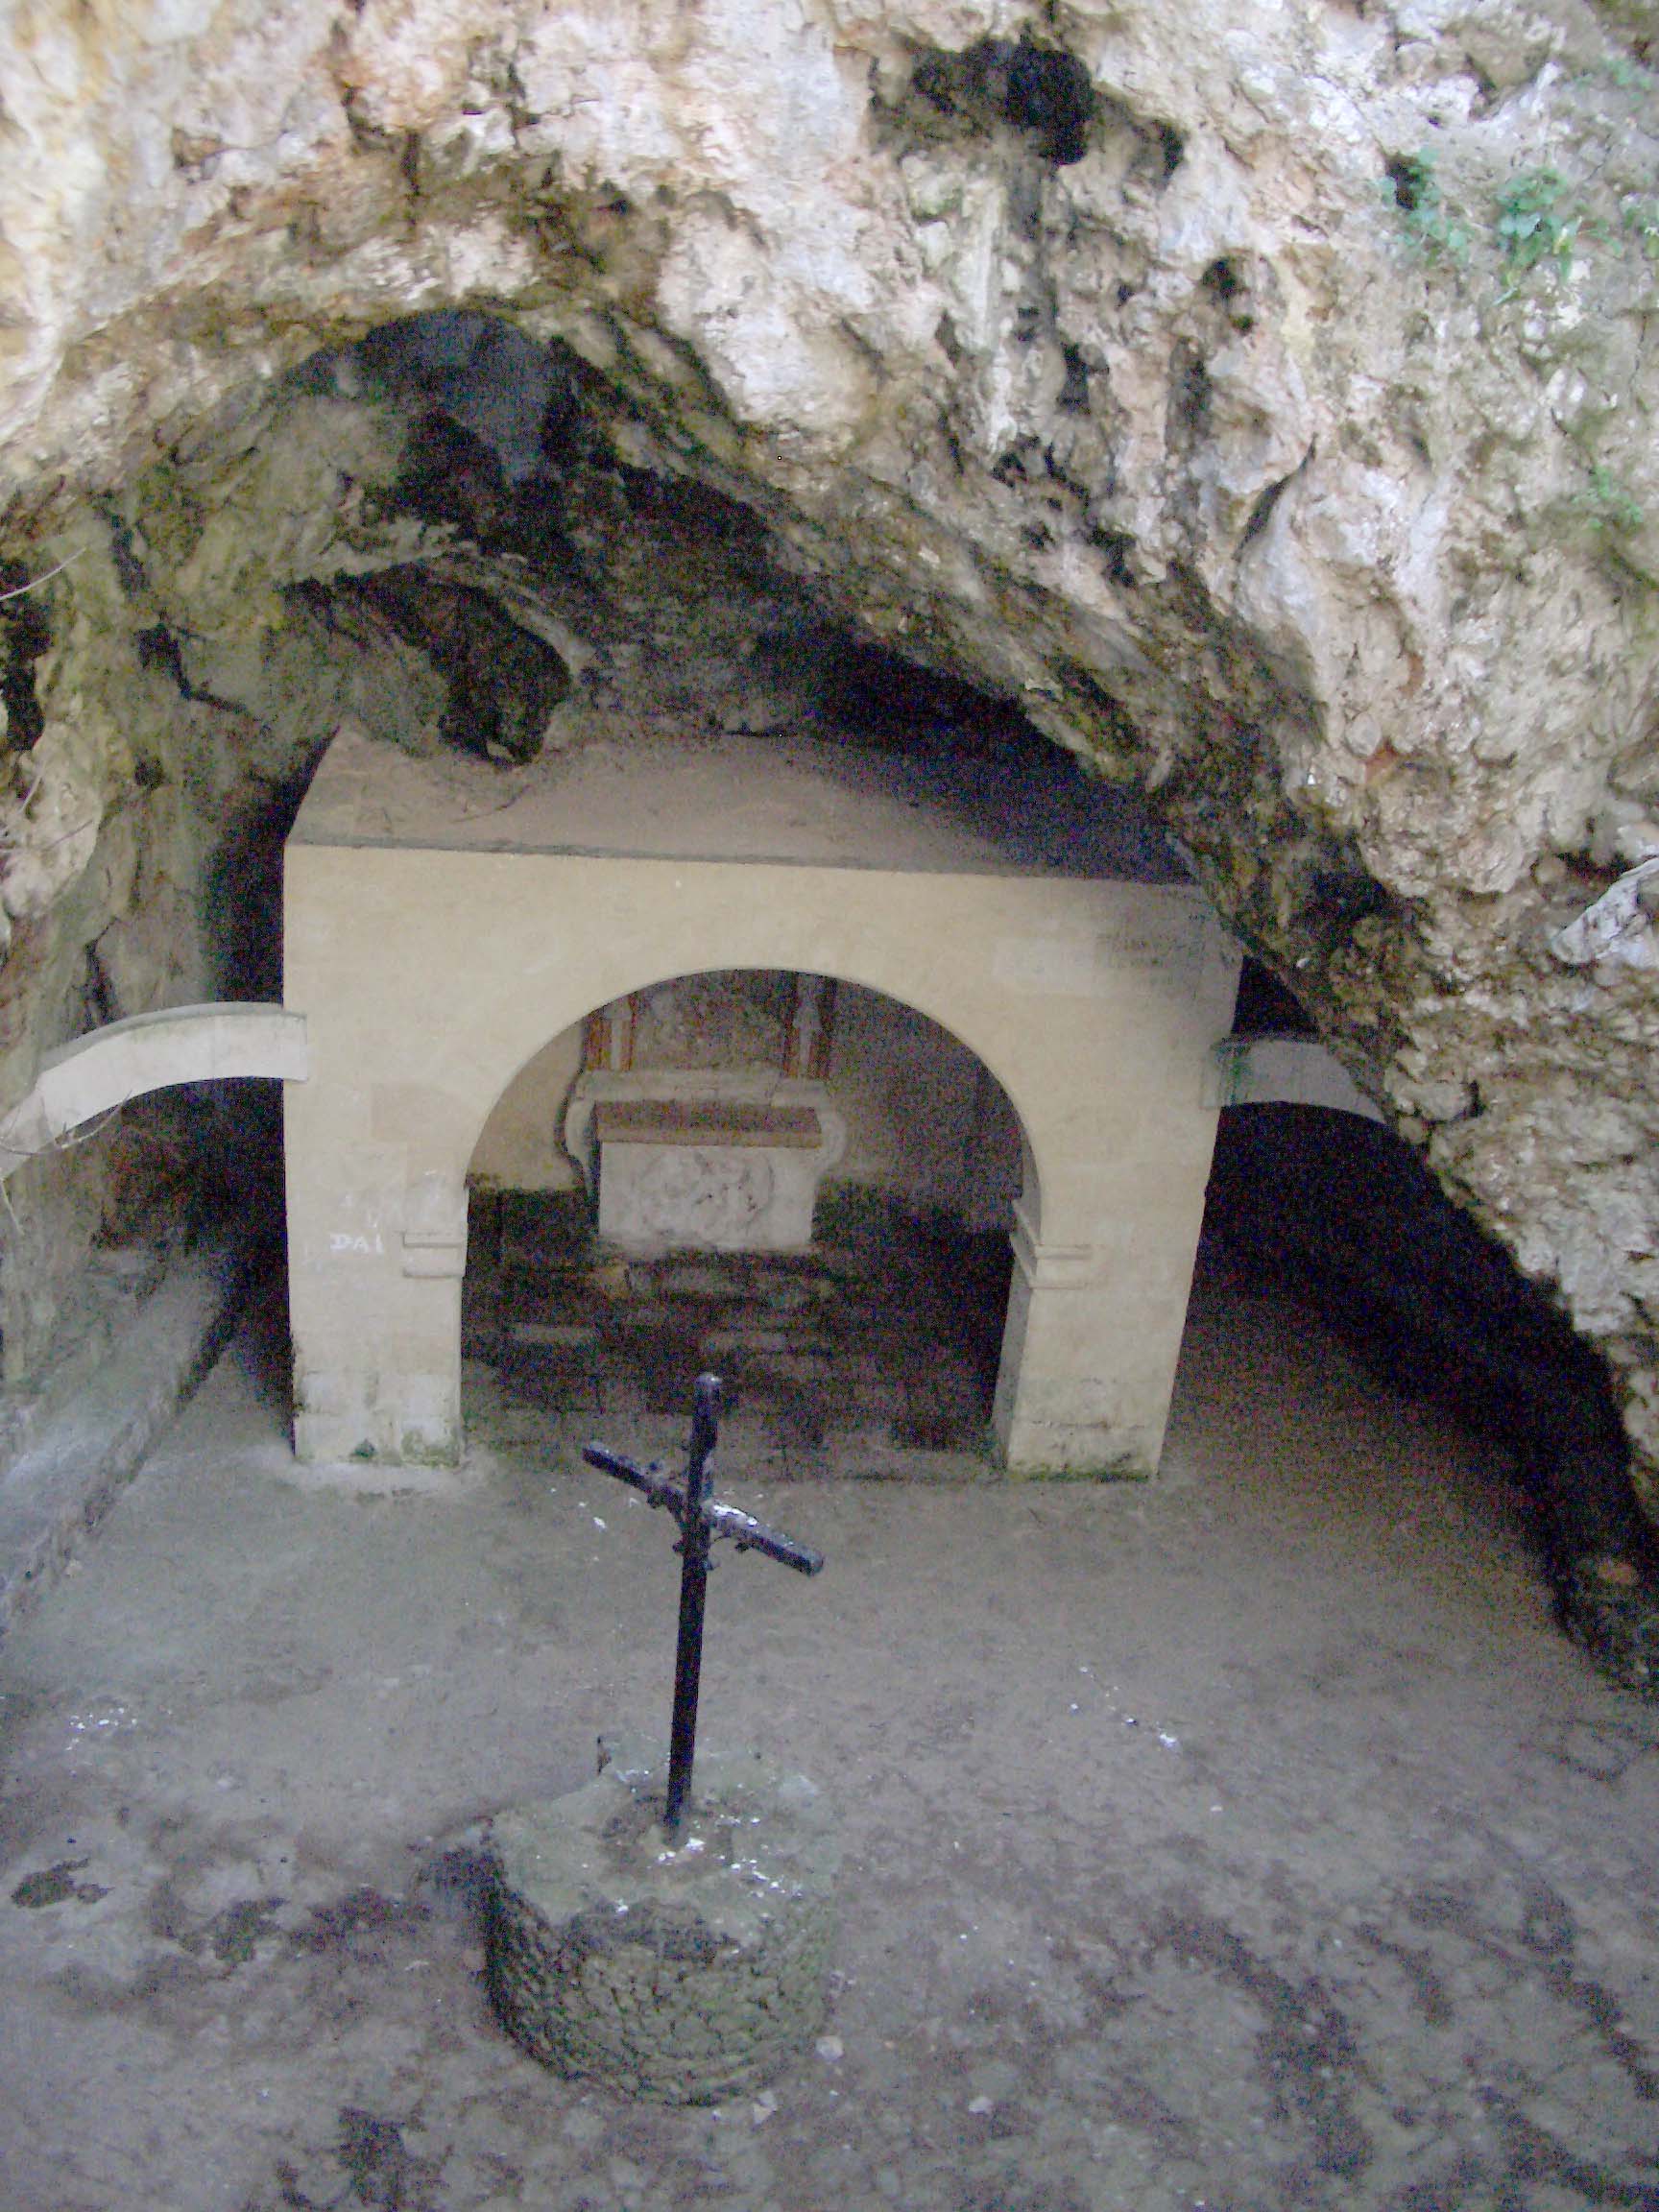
[1260, 398]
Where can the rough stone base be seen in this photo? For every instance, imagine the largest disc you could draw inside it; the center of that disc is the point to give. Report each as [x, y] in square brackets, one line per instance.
[682, 1973]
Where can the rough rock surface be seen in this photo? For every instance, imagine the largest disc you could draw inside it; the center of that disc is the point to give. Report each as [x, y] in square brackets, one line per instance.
[1261, 399]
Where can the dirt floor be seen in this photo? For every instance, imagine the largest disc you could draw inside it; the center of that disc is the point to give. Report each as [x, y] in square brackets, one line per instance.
[1251, 1842]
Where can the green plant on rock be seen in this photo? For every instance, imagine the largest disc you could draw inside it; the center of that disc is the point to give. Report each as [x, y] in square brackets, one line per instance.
[1532, 224]
[1433, 227]
[1639, 219]
[1614, 516]
[1608, 504]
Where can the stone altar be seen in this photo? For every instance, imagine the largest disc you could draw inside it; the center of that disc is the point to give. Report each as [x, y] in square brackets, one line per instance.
[699, 1159]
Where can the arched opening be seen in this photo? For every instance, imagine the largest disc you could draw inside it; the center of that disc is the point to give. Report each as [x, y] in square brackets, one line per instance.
[1340, 1219]
[800, 1181]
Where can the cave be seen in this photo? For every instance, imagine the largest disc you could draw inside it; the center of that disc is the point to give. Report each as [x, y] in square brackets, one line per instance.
[578, 592]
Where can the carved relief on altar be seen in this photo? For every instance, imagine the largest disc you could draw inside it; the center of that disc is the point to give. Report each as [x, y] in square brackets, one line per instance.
[700, 1158]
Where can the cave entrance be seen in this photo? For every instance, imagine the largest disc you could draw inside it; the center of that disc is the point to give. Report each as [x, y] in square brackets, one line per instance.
[445, 917]
[804, 1186]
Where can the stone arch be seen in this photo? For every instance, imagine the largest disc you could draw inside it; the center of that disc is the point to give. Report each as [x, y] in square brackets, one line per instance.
[1030, 1145]
[430, 968]
[97, 1073]
[854, 1074]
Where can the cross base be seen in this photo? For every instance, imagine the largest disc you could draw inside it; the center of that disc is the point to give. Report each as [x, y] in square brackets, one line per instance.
[682, 1973]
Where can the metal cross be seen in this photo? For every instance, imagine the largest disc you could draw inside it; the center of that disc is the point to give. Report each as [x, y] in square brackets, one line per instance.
[703, 1520]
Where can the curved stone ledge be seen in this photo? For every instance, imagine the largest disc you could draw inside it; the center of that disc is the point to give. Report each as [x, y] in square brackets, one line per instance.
[151, 1052]
[1284, 1071]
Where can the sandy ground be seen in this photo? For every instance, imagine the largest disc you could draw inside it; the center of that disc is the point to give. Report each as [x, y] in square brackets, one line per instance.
[1250, 1842]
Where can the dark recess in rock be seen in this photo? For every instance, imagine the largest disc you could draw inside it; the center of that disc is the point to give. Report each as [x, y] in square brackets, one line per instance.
[512, 396]
[1334, 893]
[128, 569]
[503, 683]
[1042, 91]
[1116, 546]
[1112, 720]
[24, 637]
[1261, 512]
[1266, 1008]
[877, 695]
[157, 648]
[1412, 179]
[450, 476]
[684, 507]
[1171, 150]
[242, 896]
[1073, 396]
[1049, 94]
[1188, 397]
[1226, 283]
